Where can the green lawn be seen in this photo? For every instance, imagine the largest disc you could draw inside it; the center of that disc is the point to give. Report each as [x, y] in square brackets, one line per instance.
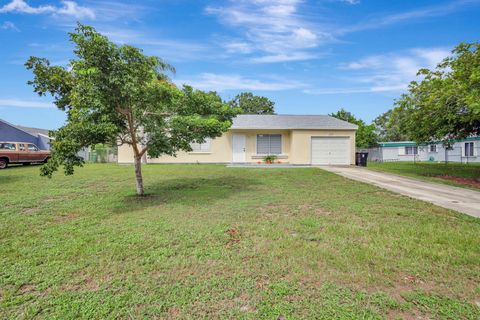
[211, 242]
[469, 174]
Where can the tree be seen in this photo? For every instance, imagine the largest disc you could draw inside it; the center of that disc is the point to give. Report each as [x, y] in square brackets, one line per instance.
[116, 94]
[251, 104]
[389, 126]
[365, 136]
[445, 105]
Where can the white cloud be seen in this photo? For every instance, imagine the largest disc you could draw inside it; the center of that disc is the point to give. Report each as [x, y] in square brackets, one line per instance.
[238, 47]
[68, 8]
[271, 28]
[419, 13]
[386, 73]
[284, 57]
[223, 82]
[8, 25]
[169, 49]
[19, 103]
[351, 1]
[23, 7]
[71, 8]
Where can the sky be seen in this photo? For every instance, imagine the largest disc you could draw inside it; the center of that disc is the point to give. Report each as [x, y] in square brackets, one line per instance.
[309, 57]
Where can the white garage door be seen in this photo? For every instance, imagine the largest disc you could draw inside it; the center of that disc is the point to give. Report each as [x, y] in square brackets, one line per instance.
[331, 150]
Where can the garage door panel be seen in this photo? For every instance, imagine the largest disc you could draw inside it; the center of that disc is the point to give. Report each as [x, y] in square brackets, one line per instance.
[331, 150]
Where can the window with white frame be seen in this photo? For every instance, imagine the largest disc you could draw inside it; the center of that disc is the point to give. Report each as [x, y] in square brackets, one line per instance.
[411, 150]
[201, 147]
[433, 148]
[269, 143]
[469, 149]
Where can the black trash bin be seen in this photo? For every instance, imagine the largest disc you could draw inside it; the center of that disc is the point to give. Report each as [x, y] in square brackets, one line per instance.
[361, 159]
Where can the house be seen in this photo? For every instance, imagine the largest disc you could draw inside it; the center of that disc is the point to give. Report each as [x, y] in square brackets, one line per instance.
[294, 139]
[464, 151]
[10, 132]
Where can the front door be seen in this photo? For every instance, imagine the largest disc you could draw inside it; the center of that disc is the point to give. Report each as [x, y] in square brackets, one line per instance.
[238, 147]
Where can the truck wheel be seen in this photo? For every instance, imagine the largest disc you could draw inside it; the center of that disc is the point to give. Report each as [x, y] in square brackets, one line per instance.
[3, 163]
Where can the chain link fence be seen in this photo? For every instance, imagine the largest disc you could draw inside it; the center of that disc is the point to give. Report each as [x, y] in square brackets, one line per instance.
[102, 154]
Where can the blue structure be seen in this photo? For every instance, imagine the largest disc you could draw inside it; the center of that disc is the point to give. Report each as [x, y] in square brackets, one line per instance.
[13, 133]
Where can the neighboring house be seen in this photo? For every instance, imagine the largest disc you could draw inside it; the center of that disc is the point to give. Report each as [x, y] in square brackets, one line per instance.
[465, 151]
[294, 139]
[39, 137]
[13, 133]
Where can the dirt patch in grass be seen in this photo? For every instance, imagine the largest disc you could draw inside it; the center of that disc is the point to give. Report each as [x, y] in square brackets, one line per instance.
[64, 218]
[471, 182]
[29, 211]
[407, 283]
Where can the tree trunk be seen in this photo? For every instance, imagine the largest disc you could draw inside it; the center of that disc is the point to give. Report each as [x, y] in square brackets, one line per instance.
[138, 176]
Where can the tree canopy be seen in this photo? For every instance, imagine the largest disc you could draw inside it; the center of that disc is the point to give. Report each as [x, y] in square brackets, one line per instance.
[366, 136]
[249, 103]
[445, 105]
[116, 94]
[389, 126]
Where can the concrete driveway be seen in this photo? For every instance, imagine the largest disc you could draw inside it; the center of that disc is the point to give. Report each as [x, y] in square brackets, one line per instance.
[459, 199]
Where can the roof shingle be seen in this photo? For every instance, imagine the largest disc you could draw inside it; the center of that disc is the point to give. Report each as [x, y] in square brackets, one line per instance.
[254, 121]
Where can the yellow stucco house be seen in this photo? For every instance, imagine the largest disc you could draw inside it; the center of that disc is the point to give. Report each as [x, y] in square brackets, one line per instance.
[294, 139]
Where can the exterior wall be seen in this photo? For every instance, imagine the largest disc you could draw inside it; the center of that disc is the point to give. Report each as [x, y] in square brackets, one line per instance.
[43, 142]
[10, 133]
[456, 154]
[392, 154]
[301, 141]
[296, 148]
[251, 144]
[220, 152]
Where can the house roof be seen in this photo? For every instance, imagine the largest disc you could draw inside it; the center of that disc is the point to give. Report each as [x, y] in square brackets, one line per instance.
[32, 131]
[283, 121]
[397, 144]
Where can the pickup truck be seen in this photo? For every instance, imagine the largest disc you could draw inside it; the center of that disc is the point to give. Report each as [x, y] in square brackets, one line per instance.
[21, 152]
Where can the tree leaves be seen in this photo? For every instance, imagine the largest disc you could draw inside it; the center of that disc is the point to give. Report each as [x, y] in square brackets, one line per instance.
[251, 104]
[365, 136]
[445, 105]
[116, 94]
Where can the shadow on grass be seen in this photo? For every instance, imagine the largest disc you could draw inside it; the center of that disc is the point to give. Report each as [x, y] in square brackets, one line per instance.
[188, 191]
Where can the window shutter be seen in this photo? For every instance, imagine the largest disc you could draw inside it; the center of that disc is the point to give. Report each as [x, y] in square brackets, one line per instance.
[263, 144]
[475, 146]
[275, 144]
[195, 146]
[206, 145]
[401, 151]
[201, 147]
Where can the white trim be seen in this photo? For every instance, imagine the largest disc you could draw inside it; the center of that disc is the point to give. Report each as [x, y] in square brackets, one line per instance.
[261, 156]
[43, 135]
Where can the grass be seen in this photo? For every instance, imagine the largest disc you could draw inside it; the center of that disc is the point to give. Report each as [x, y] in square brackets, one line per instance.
[431, 171]
[211, 242]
